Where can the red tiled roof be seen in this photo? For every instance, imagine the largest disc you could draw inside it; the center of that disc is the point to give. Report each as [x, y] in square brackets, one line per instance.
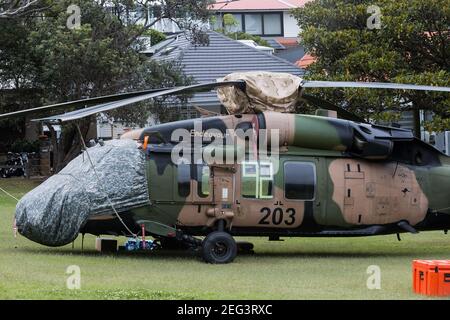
[258, 5]
[305, 61]
[288, 42]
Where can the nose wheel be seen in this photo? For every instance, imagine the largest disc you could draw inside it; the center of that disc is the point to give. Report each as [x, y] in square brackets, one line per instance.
[219, 247]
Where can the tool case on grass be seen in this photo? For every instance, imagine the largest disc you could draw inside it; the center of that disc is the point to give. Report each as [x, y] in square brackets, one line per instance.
[431, 277]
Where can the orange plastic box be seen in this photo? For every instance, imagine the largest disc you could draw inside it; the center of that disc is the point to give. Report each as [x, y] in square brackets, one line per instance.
[431, 277]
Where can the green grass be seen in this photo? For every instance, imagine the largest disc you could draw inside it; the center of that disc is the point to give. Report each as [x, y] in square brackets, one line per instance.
[298, 268]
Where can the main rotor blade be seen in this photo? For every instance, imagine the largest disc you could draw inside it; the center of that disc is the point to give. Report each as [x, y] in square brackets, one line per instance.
[371, 85]
[84, 102]
[78, 114]
[342, 113]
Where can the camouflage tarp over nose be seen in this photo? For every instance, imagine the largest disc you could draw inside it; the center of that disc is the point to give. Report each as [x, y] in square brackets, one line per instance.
[53, 213]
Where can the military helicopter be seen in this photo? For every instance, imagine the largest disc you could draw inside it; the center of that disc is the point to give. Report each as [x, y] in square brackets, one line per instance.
[326, 175]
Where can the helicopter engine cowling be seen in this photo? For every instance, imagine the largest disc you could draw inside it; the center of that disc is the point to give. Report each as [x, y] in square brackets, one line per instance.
[306, 131]
[362, 140]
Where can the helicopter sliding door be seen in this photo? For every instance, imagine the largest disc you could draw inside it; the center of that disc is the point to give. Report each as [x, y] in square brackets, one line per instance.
[274, 197]
[300, 189]
[254, 193]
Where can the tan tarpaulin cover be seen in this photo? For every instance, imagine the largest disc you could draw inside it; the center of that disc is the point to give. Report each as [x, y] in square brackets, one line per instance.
[265, 91]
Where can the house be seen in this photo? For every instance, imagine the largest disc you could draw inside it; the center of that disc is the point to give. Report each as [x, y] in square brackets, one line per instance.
[208, 63]
[270, 19]
[265, 18]
[205, 63]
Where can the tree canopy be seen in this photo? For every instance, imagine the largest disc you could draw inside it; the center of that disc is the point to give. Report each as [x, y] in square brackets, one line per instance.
[411, 44]
[44, 51]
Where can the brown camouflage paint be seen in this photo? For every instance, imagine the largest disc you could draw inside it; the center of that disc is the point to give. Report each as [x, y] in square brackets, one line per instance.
[376, 193]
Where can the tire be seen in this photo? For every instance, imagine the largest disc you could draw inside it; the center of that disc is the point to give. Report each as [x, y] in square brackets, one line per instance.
[219, 248]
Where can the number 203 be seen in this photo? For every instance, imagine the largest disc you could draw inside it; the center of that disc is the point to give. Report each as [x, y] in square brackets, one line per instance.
[277, 216]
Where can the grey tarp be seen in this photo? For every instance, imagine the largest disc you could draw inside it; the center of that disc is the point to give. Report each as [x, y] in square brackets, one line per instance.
[265, 91]
[53, 213]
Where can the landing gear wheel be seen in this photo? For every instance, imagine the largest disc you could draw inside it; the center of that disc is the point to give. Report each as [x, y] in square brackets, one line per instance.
[219, 247]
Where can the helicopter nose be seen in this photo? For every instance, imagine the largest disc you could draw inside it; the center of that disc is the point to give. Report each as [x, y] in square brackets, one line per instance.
[53, 213]
[42, 215]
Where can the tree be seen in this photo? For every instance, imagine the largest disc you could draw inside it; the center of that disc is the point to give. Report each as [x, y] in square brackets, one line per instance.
[10, 8]
[411, 45]
[155, 36]
[187, 14]
[18, 89]
[99, 56]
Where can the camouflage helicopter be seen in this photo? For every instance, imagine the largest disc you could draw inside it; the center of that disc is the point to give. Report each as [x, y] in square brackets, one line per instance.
[326, 175]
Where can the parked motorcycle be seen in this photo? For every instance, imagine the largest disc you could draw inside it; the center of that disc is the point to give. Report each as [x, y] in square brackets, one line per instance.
[17, 161]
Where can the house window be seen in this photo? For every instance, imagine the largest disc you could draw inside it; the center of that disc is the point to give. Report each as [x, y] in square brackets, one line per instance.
[218, 22]
[257, 180]
[253, 23]
[238, 18]
[299, 180]
[256, 23]
[272, 23]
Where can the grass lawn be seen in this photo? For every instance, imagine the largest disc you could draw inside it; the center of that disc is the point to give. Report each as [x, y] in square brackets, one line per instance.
[298, 268]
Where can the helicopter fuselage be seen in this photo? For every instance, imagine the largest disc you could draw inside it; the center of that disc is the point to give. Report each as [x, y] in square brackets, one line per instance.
[303, 192]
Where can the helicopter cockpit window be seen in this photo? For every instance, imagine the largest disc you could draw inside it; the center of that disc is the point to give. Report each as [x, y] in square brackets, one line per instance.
[184, 180]
[257, 180]
[203, 180]
[299, 180]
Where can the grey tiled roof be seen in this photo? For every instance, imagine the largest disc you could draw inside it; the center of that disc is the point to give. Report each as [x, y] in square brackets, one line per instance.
[275, 44]
[171, 48]
[222, 56]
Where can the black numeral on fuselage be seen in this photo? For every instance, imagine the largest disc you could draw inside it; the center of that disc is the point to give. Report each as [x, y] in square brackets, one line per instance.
[277, 216]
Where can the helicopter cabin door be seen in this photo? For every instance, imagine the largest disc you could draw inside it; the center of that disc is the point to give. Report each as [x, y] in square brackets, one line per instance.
[274, 197]
[255, 194]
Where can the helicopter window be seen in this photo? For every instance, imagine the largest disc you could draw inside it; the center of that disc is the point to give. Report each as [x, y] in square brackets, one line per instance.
[203, 181]
[257, 180]
[184, 180]
[299, 180]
